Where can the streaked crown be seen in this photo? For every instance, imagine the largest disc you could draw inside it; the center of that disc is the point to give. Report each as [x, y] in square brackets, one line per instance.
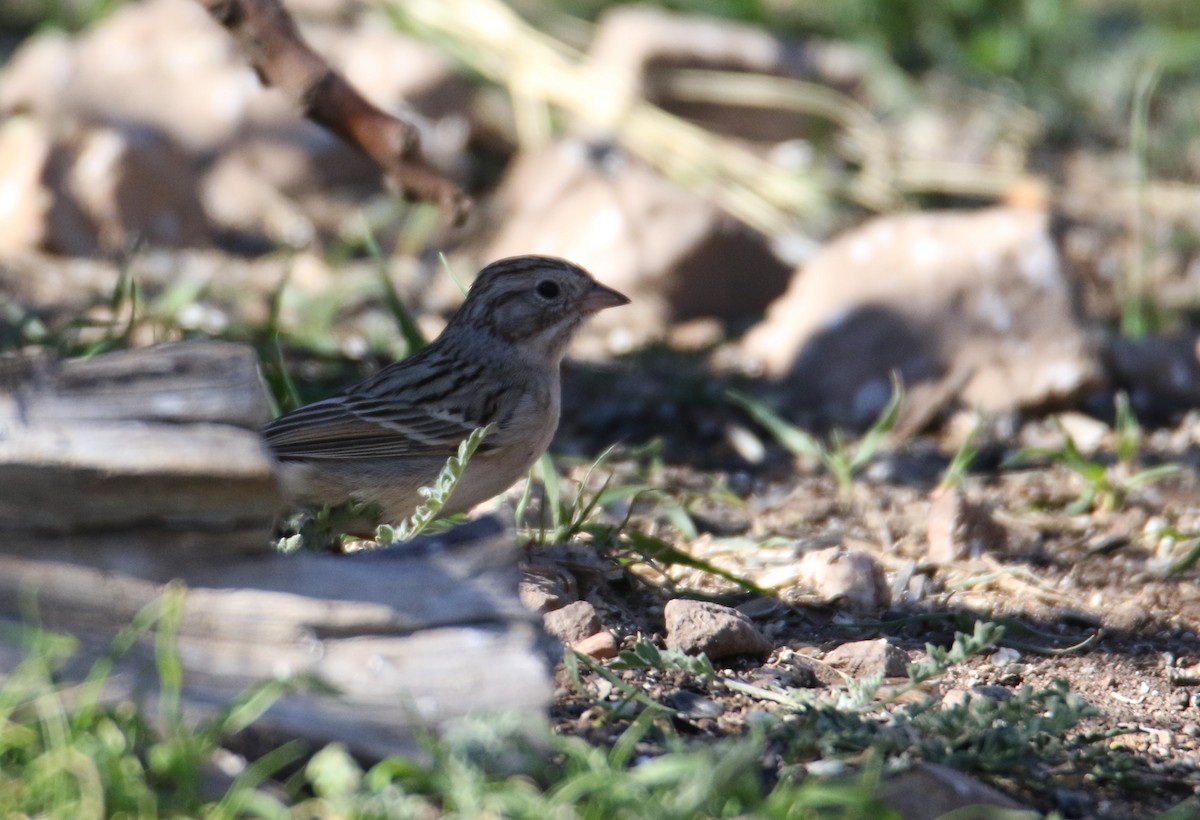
[533, 300]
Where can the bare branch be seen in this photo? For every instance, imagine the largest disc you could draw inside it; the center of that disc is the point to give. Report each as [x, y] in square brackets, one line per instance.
[279, 55]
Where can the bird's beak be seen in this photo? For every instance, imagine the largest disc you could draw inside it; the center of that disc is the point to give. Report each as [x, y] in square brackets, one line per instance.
[600, 297]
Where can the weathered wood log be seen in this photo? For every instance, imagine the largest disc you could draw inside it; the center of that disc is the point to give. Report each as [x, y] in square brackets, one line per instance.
[124, 472]
[181, 382]
[410, 638]
[162, 438]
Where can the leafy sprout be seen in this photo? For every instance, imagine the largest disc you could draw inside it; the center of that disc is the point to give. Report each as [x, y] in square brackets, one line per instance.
[437, 494]
[1105, 486]
[841, 458]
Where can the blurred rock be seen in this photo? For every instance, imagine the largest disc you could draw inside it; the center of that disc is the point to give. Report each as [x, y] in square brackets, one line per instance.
[165, 71]
[602, 645]
[1161, 374]
[1087, 433]
[849, 577]
[163, 64]
[24, 202]
[675, 254]
[959, 528]
[861, 659]
[695, 706]
[957, 696]
[95, 188]
[638, 48]
[134, 184]
[931, 790]
[546, 587]
[717, 631]
[573, 622]
[977, 297]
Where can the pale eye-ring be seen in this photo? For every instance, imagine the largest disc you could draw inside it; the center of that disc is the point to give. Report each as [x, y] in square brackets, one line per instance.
[547, 289]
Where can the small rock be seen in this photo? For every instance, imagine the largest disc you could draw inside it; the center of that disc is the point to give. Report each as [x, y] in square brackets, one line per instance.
[997, 693]
[602, 645]
[1004, 656]
[956, 697]
[848, 576]
[695, 706]
[797, 674]
[861, 659]
[717, 631]
[546, 587]
[573, 622]
[958, 528]
[1184, 675]
[930, 790]
[1087, 433]
[962, 697]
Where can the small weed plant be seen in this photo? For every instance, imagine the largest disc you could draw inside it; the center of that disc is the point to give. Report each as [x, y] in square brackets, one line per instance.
[1106, 486]
[841, 458]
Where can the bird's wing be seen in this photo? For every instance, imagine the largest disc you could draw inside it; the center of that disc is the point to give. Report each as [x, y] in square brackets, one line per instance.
[421, 407]
[366, 427]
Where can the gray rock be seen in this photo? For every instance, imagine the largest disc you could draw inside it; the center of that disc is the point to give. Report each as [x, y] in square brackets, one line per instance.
[975, 302]
[861, 659]
[717, 631]
[929, 790]
[573, 622]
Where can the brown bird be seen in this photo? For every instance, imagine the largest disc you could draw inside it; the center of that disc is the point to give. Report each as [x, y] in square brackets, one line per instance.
[497, 362]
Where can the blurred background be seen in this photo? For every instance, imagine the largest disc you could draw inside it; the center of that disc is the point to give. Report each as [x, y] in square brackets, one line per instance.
[999, 201]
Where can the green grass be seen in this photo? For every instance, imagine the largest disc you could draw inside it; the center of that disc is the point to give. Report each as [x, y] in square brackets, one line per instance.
[843, 459]
[1107, 484]
[65, 752]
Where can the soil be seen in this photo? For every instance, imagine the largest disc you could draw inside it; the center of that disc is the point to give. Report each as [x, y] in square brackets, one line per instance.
[1086, 598]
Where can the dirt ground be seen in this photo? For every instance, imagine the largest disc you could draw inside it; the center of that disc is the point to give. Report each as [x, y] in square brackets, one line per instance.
[1085, 597]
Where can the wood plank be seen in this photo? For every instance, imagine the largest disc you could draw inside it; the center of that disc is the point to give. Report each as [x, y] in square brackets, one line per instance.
[411, 639]
[80, 477]
[202, 381]
[155, 439]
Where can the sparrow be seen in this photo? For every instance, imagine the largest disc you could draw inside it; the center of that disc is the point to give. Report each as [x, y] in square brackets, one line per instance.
[380, 441]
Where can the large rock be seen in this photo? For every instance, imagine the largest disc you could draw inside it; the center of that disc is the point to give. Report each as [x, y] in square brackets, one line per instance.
[25, 148]
[84, 189]
[1161, 374]
[976, 300]
[164, 73]
[672, 251]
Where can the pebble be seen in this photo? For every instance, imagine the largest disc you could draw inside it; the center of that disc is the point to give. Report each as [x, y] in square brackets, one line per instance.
[717, 631]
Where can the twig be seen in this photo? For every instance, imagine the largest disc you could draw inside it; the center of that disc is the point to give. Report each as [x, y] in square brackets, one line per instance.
[279, 55]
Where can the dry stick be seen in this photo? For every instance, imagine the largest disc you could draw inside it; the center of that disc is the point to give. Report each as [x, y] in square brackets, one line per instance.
[279, 55]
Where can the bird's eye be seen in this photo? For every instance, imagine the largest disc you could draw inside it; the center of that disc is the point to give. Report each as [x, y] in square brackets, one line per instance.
[547, 289]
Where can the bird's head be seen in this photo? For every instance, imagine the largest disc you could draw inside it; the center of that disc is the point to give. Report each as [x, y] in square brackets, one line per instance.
[534, 303]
